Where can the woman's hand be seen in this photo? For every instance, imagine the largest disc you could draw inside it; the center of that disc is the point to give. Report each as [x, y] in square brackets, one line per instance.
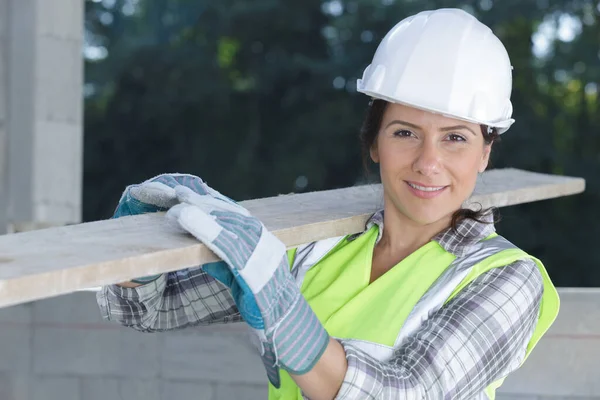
[154, 195]
[266, 294]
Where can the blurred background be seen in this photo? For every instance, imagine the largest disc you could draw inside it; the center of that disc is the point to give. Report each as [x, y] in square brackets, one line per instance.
[258, 98]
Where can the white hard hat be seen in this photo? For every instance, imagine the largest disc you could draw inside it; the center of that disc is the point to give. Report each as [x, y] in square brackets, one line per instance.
[444, 61]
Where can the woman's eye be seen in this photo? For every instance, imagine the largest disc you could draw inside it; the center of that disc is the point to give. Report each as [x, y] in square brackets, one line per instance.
[456, 138]
[403, 133]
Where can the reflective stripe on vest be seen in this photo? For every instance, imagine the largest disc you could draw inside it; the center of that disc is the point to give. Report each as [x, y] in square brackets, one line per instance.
[453, 274]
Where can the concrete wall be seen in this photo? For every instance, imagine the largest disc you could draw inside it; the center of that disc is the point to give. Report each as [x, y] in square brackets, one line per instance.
[60, 349]
[41, 99]
[3, 117]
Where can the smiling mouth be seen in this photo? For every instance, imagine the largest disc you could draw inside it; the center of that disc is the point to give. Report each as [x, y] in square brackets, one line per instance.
[425, 188]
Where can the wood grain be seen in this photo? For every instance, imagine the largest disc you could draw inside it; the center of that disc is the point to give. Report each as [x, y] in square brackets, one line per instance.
[55, 261]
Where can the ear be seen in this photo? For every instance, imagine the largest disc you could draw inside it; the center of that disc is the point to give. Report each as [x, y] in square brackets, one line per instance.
[485, 158]
[374, 153]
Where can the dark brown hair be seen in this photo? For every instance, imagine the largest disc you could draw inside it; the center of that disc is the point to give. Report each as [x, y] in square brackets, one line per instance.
[368, 136]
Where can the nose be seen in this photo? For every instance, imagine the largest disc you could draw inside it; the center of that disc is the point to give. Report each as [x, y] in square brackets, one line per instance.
[427, 161]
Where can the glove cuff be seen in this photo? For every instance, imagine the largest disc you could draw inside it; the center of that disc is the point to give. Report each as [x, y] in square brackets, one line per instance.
[299, 339]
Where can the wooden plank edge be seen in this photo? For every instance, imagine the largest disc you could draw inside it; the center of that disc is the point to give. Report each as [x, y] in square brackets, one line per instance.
[570, 186]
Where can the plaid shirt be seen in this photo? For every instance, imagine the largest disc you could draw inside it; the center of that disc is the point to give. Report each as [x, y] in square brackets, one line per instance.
[477, 338]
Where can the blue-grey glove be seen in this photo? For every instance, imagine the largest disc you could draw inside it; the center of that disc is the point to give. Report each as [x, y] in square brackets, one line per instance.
[290, 334]
[158, 194]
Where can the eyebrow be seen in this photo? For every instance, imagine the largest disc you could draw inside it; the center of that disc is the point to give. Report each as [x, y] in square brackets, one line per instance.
[446, 129]
[397, 121]
[457, 127]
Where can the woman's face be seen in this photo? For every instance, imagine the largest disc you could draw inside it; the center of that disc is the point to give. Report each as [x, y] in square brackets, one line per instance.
[429, 163]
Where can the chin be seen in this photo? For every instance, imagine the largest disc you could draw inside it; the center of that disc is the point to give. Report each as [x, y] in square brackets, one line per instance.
[424, 212]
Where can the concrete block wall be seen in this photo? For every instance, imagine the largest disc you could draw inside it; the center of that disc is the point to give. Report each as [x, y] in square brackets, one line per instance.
[58, 109]
[60, 349]
[41, 56]
[3, 117]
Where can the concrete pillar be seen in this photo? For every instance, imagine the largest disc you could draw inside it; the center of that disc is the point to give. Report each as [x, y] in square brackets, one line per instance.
[44, 107]
[3, 117]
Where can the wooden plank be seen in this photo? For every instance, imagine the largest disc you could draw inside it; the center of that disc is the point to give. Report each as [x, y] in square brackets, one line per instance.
[54, 261]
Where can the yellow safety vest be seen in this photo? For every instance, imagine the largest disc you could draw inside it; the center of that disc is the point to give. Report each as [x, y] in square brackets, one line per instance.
[382, 314]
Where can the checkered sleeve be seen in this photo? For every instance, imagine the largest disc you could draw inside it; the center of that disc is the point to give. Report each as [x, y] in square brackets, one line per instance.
[478, 337]
[175, 300]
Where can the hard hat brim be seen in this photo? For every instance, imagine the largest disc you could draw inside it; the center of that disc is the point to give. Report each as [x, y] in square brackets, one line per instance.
[501, 126]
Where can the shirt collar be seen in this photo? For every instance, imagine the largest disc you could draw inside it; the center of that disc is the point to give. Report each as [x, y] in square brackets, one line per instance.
[457, 242]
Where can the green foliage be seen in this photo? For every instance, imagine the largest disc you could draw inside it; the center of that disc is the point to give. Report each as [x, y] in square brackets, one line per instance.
[258, 98]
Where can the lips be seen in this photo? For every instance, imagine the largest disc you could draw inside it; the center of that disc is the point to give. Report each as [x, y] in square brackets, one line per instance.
[425, 188]
[424, 191]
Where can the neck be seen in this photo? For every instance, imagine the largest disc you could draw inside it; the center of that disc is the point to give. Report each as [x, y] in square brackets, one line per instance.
[402, 236]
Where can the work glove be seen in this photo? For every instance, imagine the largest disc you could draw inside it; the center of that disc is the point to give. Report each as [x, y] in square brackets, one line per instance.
[289, 333]
[158, 194]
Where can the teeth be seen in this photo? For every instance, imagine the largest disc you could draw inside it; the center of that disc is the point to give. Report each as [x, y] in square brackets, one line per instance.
[426, 189]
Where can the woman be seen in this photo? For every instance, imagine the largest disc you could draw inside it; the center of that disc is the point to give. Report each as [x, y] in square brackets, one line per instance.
[428, 302]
